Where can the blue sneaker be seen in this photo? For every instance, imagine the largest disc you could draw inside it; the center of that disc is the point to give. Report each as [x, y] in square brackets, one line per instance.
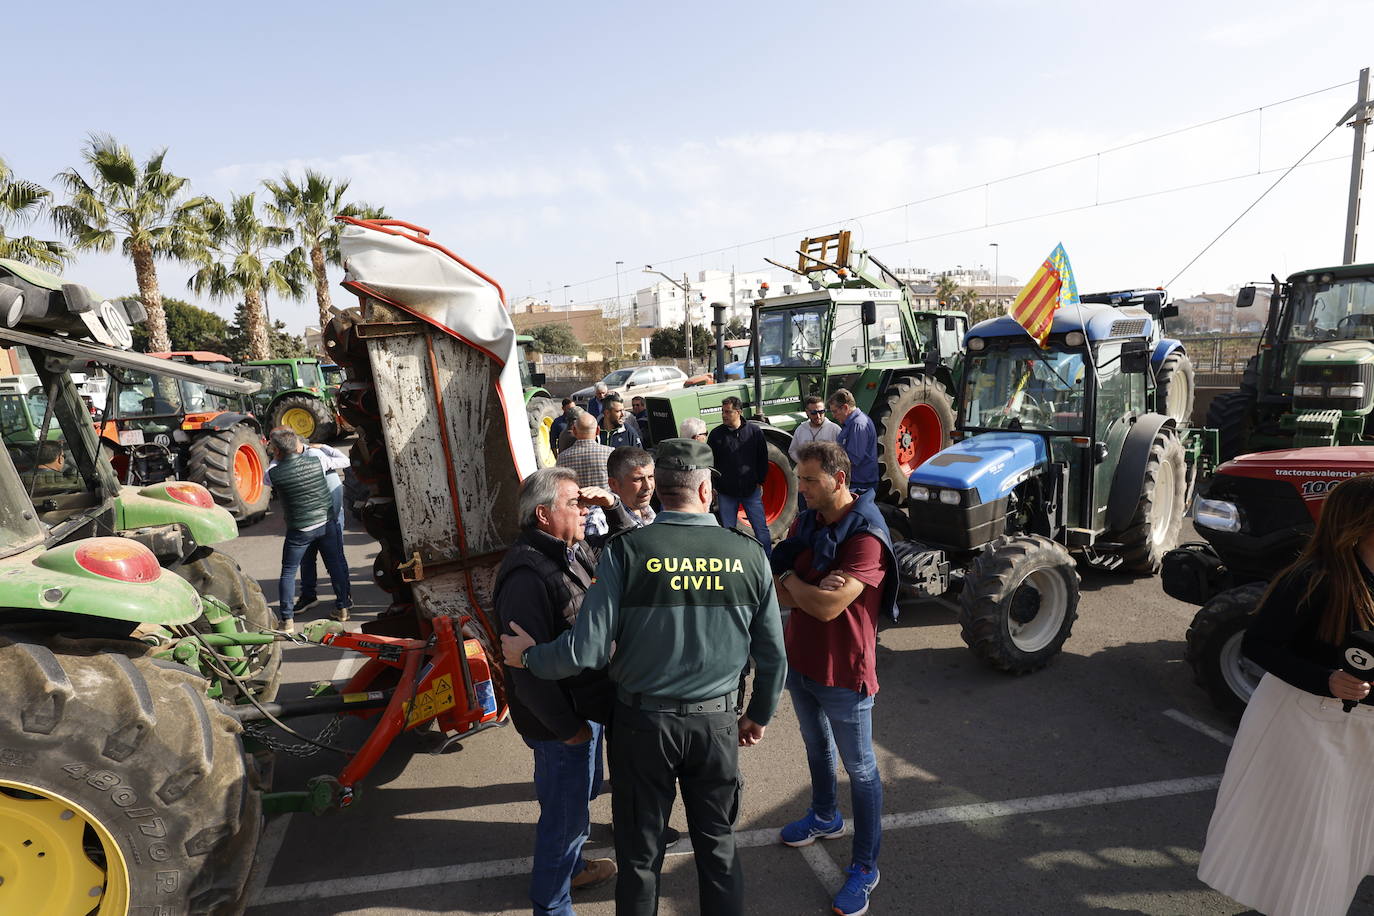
[809, 829]
[852, 900]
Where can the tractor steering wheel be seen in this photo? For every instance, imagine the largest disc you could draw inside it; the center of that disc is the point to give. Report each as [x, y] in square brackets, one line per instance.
[1356, 320]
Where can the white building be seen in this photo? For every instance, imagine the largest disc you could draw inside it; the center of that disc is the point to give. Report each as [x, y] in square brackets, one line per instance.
[661, 305]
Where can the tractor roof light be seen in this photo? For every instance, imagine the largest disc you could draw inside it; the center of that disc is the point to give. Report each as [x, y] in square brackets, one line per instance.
[118, 558]
[11, 305]
[1218, 515]
[1075, 339]
[193, 494]
[977, 344]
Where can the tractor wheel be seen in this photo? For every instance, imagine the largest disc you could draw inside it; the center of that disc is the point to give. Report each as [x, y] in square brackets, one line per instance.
[542, 412]
[914, 421]
[1229, 415]
[124, 789]
[779, 493]
[1174, 388]
[220, 576]
[344, 345]
[1019, 602]
[307, 417]
[1153, 530]
[1214, 639]
[230, 464]
[356, 494]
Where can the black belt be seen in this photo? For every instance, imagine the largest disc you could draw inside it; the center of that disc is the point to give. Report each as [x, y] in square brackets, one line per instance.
[681, 707]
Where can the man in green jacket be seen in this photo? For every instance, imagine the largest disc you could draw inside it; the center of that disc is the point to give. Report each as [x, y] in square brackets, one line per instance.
[686, 604]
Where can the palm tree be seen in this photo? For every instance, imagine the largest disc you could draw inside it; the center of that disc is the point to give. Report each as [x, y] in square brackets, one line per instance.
[241, 258]
[309, 207]
[140, 206]
[21, 201]
[946, 290]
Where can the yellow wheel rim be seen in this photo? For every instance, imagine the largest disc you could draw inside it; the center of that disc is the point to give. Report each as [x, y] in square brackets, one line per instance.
[55, 858]
[299, 420]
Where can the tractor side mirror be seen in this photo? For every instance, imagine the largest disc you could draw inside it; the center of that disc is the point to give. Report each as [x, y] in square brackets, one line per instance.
[538, 378]
[1245, 297]
[951, 323]
[1135, 357]
[868, 312]
[1168, 311]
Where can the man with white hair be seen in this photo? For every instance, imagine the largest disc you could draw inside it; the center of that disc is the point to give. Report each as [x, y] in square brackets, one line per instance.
[693, 428]
[594, 405]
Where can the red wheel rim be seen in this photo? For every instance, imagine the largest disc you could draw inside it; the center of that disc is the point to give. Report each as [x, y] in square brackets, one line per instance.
[248, 473]
[774, 494]
[919, 435]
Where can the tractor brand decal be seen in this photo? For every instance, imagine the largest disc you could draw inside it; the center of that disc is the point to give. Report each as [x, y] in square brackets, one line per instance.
[429, 703]
[776, 401]
[1312, 472]
[162, 439]
[1317, 489]
[112, 317]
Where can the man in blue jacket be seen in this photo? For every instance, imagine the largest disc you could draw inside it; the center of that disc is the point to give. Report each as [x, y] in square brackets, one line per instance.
[858, 437]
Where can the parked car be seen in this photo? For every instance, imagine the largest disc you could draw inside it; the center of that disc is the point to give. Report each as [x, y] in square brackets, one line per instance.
[635, 380]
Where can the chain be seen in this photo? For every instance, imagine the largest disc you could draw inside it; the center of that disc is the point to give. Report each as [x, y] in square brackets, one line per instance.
[260, 732]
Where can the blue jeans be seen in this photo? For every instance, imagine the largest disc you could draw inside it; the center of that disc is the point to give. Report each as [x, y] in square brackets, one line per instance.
[753, 510]
[328, 540]
[566, 778]
[831, 717]
[310, 572]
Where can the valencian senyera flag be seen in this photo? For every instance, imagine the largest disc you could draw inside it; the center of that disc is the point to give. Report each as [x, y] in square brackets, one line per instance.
[1051, 288]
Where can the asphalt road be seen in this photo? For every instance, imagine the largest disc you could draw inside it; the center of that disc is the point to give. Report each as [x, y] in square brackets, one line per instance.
[1083, 788]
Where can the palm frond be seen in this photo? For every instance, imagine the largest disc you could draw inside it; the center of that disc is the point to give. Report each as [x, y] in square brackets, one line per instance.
[29, 250]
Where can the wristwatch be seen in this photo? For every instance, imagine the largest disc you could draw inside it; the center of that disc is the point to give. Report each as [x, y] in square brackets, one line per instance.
[782, 580]
[525, 658]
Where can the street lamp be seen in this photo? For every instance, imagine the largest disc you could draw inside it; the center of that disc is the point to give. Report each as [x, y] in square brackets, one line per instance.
[567, 315]
[996, 266]
[686, 287]
[619, 313]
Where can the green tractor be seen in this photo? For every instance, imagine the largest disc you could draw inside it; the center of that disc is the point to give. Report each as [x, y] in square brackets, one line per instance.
[1312, 381]
[539, 405]
[124, 786]
[297, 394]
[855, 327]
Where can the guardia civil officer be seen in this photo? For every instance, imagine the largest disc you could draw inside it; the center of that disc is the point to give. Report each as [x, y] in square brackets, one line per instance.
[686, 604]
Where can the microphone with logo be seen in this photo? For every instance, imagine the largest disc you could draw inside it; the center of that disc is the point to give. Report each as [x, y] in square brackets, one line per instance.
[1358, 657]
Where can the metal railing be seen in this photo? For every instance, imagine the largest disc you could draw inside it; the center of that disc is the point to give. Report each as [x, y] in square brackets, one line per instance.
[1220, 354]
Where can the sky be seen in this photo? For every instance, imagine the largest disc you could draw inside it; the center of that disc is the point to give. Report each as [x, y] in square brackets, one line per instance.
[543, 142]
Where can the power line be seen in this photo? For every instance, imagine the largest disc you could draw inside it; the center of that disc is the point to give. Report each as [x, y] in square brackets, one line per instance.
[794, 233]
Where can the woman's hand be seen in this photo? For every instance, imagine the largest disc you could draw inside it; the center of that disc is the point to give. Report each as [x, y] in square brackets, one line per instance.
[1347, 686]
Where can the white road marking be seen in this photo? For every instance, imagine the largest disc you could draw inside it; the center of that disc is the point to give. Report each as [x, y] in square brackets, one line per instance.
[1213, 733]
[824, 867]
[347, 667]
[450, 874]
[269, 844]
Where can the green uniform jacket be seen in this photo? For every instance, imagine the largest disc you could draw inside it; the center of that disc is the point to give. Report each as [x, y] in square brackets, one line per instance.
[686, 603]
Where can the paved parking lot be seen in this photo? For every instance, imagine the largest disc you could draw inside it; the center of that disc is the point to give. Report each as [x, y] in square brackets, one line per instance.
[1086, 787]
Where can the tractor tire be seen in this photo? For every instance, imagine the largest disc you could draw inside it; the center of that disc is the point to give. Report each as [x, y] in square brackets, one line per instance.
[779, 493]
[355, 494]
[305, 416]
[219, 575]
[1229, 415]
[344, 345]
[1019, 602]
[1153, 530]
[230, 464]
[124, 788]
[1174, 388]
[1214, 639]
[542, 412]
[914, 420]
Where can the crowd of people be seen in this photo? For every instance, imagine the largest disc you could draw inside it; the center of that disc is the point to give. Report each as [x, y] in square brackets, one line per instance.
[633, 618]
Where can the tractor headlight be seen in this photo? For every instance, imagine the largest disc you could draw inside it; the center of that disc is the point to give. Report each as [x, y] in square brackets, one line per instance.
[1347, 391]
[1309, 391]
[12, 305]
[949, 497]
[919, 492]
[1217, 515]
[976, 344]
[1074, 339]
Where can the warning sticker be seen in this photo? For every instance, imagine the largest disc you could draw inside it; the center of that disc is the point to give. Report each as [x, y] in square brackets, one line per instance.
[429, 703]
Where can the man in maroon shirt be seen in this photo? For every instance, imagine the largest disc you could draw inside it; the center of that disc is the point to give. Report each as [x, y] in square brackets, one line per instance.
[837, 571]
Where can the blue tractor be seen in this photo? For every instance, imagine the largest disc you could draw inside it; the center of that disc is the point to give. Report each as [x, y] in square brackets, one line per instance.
[1079, 450]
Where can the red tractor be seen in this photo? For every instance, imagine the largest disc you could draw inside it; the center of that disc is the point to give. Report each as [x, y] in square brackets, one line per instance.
[1257, 512]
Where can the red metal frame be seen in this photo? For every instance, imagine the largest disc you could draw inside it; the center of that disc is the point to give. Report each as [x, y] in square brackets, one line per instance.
[439, 680]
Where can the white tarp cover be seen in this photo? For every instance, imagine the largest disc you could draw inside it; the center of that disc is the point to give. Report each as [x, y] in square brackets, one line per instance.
[439, 288]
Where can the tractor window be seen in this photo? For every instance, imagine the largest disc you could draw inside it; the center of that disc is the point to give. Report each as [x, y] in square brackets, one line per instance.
[310, 375]
[1343, 310]
[847, 341]
[144, 395]
[885, 335]
[334, 376]
[1119, 394]
[1025, 388]
[793, 337]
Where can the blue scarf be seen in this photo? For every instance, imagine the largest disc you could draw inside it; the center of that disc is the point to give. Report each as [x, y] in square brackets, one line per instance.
[824, 541]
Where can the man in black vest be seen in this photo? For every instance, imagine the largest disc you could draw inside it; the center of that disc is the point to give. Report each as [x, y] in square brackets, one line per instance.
[540, 586]
[297, 476]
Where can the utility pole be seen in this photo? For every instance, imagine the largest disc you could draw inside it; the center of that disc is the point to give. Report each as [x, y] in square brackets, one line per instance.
[686, 287]
[619, 311]
[1352, 213]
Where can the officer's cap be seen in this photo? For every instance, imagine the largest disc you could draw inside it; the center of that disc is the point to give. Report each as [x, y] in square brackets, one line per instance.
[684, 455]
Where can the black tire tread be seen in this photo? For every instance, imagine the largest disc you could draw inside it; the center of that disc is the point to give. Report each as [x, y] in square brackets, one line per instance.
[1229, 415]
[173, 750]
[1174, 366]
[211, 464]
[1138, 553]
[1214, 623]
[987, 587]
[219, 575]
[905, 393]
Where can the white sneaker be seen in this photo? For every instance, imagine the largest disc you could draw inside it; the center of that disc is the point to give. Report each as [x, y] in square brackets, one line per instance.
[288, 625]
